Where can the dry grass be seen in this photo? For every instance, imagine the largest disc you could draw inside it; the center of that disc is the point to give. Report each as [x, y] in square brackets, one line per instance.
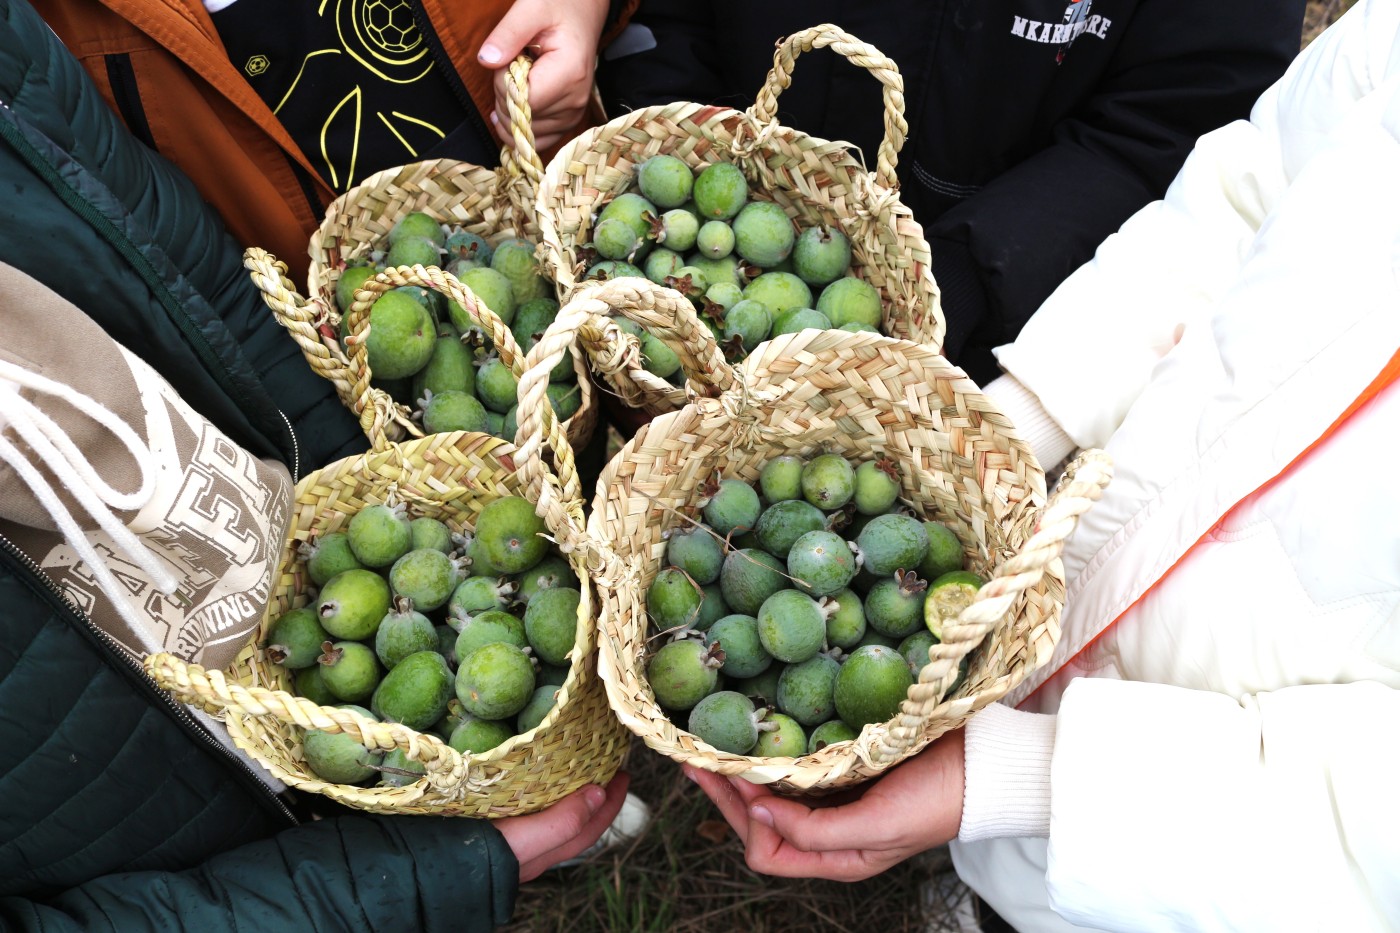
[1321, 14]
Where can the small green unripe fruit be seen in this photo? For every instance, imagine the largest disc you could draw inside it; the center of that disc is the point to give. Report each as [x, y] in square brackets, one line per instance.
[541, 702]
[914, 650]
[294, 640]
[631, 208]
[763, 233]
[474, 735]
[478, 594]
[829, 733]
[419, 224]
[799, 319]
[665, 180]
[945, 551]
[724, 294]
[552, 571]
[427, 532]
[720, 191]
[485, 628]
[871, 686]
[806, 691]
[733, 506]
[679, 228]
[463, 244]
[727, 721]
[495, 681]
[845, 627]
[780, 292]
[403, 632]
[791, 626]
[821, 563]
[749, 576]
[551, 620]
[892, 542]
[784, 522]
[716, 271]
[744, 654]
[610, 269]
[492, 289]
[712, 607]
[330, 555]
[401, 336]
[399, 770]
[785, 740]
[349, 282]
[781, 478]
[312, 686]
[821, 255]
[515, 259]
[426, 576]
[453, 411]
[673, 599]
[715, 240]
[349, 670]
[353, 604]
[750, 322]
[413, 251]
[379, 534]
[508, 532]
[615, 239]
[828, 482]
[337, 758]
[877, 486]
[661, 263]
[683, 672]
[496, 385]
[895, 605]
[695, 551]
[850, 301]
[416, 691]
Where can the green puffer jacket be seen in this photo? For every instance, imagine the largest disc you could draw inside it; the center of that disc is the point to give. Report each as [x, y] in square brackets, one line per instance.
[117, 811]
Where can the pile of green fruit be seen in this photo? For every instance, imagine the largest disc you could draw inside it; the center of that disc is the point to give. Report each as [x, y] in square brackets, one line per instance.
[802, 609]
[750, 273]
[467, 636]
[424, 350]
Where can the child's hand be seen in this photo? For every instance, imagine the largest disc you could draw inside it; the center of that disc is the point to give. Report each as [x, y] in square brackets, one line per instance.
[563, 829]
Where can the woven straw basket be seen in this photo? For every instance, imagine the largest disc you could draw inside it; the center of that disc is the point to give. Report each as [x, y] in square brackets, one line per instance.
[815, 181]
[450, 477]
[490, 203]
[860, 395]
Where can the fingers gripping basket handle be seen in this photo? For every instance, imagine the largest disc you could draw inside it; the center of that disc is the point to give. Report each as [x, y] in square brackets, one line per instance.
[1079, 488]
[521, 169]
[765, 105]
[192, 684]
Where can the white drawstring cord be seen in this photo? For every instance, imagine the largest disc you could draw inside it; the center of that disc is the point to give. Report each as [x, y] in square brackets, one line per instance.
[78, 476]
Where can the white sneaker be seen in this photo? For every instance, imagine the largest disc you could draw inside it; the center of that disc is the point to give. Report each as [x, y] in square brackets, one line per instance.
[631, 821]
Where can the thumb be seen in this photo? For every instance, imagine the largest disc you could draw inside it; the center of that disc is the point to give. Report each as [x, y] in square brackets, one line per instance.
[515, 30]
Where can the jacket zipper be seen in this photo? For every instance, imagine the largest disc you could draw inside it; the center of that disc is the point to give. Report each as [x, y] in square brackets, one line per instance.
[115, 648]
[454, 78]
[296, 447]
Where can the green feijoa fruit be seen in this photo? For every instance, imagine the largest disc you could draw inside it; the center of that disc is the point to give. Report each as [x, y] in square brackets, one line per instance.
[413, 251]
[734, 506]
[509, 533]
[724, 294]
[683, 672]
[727, 721]
[380, 534]
[661, 263]
[783, 522]
[294, 640]
[829, 733]
[615, 239]
[945, 551]
[716, 271]
[310, 684]
[781, 737]
[532, 318]
[657, 358]
[349, 670]
[858, 329]
[496, 424]
[679, 228]
[871, 685]
[416, 691]
[892, 542]
[474, 735]
[551, 619]
[427, 532]
[673, 599]
[453, 411]
[463, 244]
[749, 576]
[426, 576]
[806, 691]
[821, 563]
[541, 702]
[690, 281]
[791, 626]
[665, 181]
[487, 628]
[515, 259]
[948, 596]
[712, 607]
[458, 268]
[631, 208]
[763, 234]
[349, 282]
[874, 636]
[697, 552]
[447, 643]
[330, 555]
[401, 336]
[496, 385]
[781, 478]
[828, 482]
[749, 321]
[352, 604]
[877, 486]
[403, 632]
[780, 292]
[495, 681]
[799, 319]
[337, 758]
[491, 288]
[610, 269]
[552, 675]
[850, 301]
[417, 224]
[715, 239]
[762, 688]
[895, 605]
[451, 719]
[450, 369]
[914, 650]
[478, 594]
[565, 398]
[737, 636]
[510, 424]
[720, 191]
[845, 627]
[429, 299]
[550, 572]
[821, 255]
[399, 770]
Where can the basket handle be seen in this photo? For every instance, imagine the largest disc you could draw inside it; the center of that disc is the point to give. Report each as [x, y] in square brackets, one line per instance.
[309, 322]
[765, 105]
[1079, 488]
[521, 169]
[189, 683]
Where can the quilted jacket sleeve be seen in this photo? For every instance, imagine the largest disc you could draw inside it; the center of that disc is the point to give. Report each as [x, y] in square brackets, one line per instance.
[349, 873]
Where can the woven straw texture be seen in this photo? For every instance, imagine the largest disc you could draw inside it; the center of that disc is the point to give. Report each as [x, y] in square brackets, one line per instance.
[815, 181]
[450, 477]
[863, 396]
[491, 203]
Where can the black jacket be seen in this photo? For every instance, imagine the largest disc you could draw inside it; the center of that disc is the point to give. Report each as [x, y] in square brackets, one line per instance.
[1036, 126]
[117, 811]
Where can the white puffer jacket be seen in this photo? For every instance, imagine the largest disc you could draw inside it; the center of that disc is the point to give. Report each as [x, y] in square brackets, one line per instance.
[1227, 745]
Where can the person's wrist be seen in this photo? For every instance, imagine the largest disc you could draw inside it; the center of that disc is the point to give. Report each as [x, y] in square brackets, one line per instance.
[1006, 765]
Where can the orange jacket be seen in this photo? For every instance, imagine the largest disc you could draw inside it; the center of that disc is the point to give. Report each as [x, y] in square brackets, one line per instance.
[161, 66]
